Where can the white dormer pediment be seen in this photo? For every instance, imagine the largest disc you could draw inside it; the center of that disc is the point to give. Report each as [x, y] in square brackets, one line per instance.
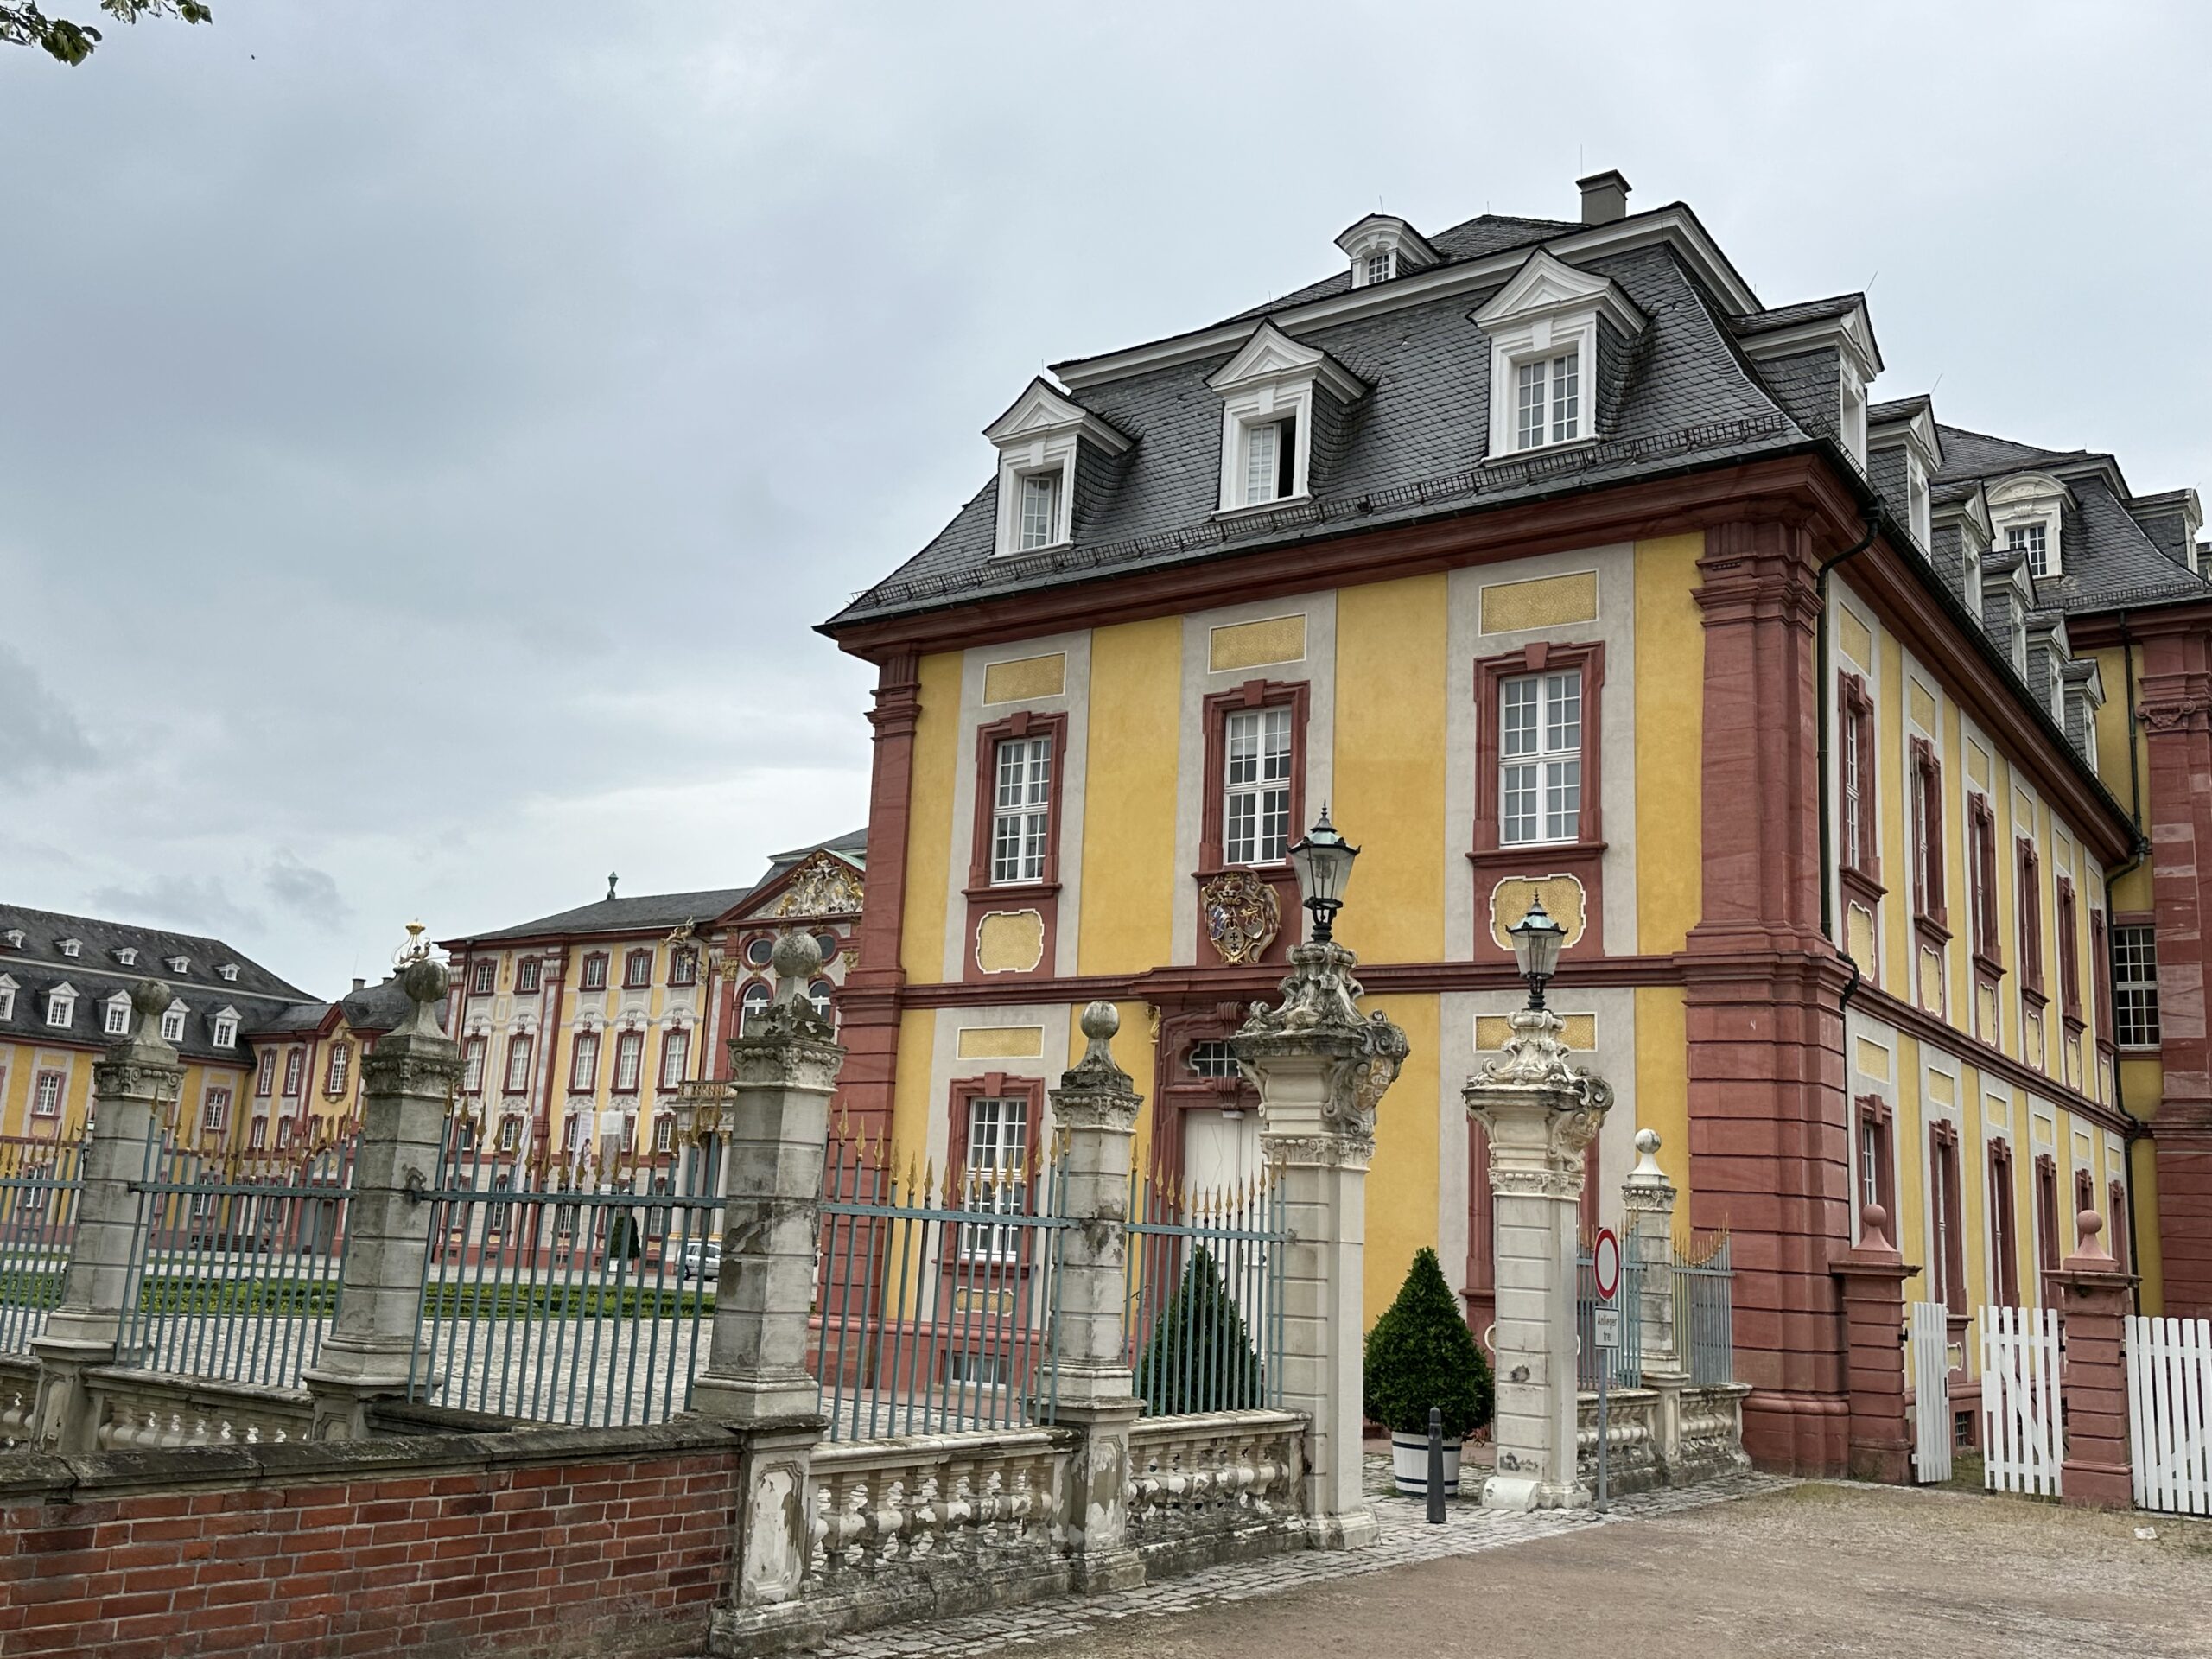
[1382, 246]
[1038, 439]
[2026, 489]
[1043, 412]
[1545, 285]
[1270, 355]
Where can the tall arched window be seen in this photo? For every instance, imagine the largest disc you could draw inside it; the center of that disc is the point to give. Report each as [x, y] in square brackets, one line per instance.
[752, 1005]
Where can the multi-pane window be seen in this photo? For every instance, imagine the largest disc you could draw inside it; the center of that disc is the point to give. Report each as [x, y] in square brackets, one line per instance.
[663, 1140]
[595, 975]
[1378, 265]
[1270, 460]
[583, 1063]
[257, 1134]
[295, 1062]
[2046, 1213]
[526, 973]
[1876, 1182]
[998, 1147]
[118, 1017]
[2034, 541]
[824, 994]
[2070, 953]
[1949, 1246]
[1984, 869]
[472, 1065]
[2030, 873]
[629, 1060]
[1255, 816]
[46, 1094]
[638, 970]
[510, 1132]
[1540, 758]
[572, 1136]
[340, 1070]
[1547, 407]
[60, 1009]
[2135, 985]
[1020, 809]
[483, 978]
[1855, 776]
[173, 1023]
[2004, 1249]
[265, 1072]
[227, 1031]
[1927, 834]
[684, 966]
[1214, 1059]
[753, 1005]
[214, 1111]
[1040, 509]
[675, 1055]
[518, 1063]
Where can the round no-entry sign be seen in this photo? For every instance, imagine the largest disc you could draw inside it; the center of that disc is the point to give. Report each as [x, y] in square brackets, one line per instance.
[1605, 1263]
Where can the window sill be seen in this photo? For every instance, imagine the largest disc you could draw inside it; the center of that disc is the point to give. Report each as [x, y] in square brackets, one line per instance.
[1013, 890]
[1539, 451]
[1256, 509]
[2033, 1001]
[1932, 932]
[1032, 552]
[1863, 885]
[1988, 968]
[1518, 851]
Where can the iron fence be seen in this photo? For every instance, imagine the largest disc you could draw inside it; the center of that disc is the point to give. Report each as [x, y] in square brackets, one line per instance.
[40, 1181]
[937, 1300]
[567, 1291]
[1624, 1364]
[1705, 1314]
[1205, 1314]
[236, 1259]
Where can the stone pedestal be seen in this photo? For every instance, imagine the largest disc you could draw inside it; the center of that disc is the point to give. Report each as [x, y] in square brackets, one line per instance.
[2095, 1299]
[1871, 1276]
[407, 1089]
[1541, 1115]
[1096, 1109]
[137, 1078]
[1321, 1069]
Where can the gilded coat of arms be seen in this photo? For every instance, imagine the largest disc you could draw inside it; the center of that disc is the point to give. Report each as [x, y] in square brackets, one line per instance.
[1241, 915]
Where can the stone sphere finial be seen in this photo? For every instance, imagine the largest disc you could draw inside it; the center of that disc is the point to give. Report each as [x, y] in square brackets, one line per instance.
[797, 956]
[1874, 1226]
[151, 999]
[1100, 1021]
[424, 980]
[1647, 1143]
[2088, 1224]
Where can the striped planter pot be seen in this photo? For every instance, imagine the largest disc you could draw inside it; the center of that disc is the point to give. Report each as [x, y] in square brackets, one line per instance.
[1409, 1465]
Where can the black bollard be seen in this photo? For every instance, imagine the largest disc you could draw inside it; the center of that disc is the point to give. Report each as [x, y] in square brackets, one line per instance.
[1435, 1466]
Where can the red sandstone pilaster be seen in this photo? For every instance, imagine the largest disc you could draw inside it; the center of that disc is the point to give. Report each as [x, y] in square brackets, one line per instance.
[1768, 1125]
[2093, 1295]
[869, 1002]
[1873, 1276]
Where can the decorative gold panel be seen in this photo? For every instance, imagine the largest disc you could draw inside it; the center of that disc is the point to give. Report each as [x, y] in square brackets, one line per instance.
[1544, 602]
[1856, 638]
[1985, 1014]
[1923, 708]
[1563, 900]
[1010, 941]
[1978, 764]
[1492, 1029]
[1873, 1059]
[1931, 980]
[1858, 938]
[1026, 677]
[1002, 1042]
[1942, 1089]
[1247, 644]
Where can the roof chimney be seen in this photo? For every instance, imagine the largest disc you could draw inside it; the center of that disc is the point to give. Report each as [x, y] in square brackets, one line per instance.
[1604, 197]
[360, 984]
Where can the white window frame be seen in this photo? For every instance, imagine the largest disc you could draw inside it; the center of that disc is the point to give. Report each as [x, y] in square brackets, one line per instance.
[1546, 311]
[116, 1016]
[1549, 368]
[128, 956]
[2129, 1033]
[228, 973]
[2032, 536]
[173, 1019]
[1272, 379]
[45, 1101]
[8, 988]
[1550, 768]
[629, 1061]
[1022, 822]
[1033, 532]
[214, 1111]
[1042, 433]
[2023, 502]
[1256, 792]
[71, 948]
[60, 1008]
[754, 1001]
[997, 1153]
[226, 1035]
[675, 1047]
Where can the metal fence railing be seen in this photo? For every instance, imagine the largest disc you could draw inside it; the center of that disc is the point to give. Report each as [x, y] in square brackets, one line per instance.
[236, 1261]
[39, 1187]
[1205, 1313]
[1705, 1314]
[565, 1290]
[1626, 1370]
[935, 1300]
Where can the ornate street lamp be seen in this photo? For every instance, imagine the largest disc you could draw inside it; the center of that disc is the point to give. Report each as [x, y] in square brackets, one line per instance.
[1536, 942]
[1323, 861]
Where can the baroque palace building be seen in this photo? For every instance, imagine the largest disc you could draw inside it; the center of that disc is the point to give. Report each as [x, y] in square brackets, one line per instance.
[579, 1030]
[1857, 752]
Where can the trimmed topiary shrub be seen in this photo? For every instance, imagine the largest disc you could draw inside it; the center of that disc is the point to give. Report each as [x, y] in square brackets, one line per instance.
[1421, 1354]
[1200, 1356]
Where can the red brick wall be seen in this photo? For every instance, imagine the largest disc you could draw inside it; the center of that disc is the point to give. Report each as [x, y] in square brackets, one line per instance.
[616, 1554]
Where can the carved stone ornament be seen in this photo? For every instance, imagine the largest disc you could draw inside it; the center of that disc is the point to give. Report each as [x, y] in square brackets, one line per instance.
[1535, 1062]
[1095, 1093]
[1320, 1012]
[1243, 915]
[789, 1041]
[2169, 714]
[825, 886]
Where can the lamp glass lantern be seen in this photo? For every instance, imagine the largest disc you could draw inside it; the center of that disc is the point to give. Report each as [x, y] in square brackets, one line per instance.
[1537, 939]
[1323, 861]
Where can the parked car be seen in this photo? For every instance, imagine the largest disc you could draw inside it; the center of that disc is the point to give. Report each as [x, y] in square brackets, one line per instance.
[702, 1259]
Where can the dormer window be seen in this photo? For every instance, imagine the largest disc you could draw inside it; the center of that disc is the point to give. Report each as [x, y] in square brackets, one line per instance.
[1380, 247]
[228, 973]
[1273, 393]
[62, 1007]
[8, 988]
[1379, 266]
[173, 1023]
[15, 936]
[2028, 514]
[117, 1009]
[225, 1033]
[2034, 540]
[71, 948]
[1552, 329]
[180, 964]
[127, 957]
[1040, 440]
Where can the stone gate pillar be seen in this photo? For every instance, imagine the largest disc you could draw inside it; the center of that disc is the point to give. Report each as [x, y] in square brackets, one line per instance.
[1648, 1196]
[407, 1090]
[781, 1073]
[1872, 1274]
[2094, 1294]
[1095, 1108]
[1540, 1114]
[138, 1075]
[1321, 1069]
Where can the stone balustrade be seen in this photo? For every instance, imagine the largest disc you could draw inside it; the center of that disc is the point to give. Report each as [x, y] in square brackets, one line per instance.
[926, 1502]
[1214, 1486]
[140, 1410]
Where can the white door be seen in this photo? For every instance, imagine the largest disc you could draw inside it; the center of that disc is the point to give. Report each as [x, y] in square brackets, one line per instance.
[1930, 1351]
[2170, 1413]
[1221, 1151]
[2020, 1446]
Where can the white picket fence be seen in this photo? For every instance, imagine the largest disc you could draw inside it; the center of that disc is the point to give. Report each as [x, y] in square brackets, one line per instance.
[1930, 1349]
[2170, 1413]
[2021, 1443]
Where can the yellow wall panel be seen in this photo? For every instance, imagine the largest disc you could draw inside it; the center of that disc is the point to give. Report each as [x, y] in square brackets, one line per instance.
[910, 1106]
[1402, 1194]
[928, 820]
[2143, 1197]
[1025, 678]
[1663, 1085]
[1544, 602]
[1897, 955]
[1670, 743]
[1251, 644]
[1128, 837]
[1390, 771]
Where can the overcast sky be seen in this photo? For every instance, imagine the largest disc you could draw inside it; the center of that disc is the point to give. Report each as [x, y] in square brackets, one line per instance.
[428, 432]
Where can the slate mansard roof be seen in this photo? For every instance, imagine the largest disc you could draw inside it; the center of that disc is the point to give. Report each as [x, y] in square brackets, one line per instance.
[657, 912]
[38, 967]
[1711, 380]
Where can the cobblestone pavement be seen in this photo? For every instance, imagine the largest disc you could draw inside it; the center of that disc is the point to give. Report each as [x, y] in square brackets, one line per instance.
[1407, 1540]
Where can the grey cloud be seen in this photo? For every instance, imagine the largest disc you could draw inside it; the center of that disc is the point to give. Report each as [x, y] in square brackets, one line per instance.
[311, 894]
[39, 734]
[197, 903]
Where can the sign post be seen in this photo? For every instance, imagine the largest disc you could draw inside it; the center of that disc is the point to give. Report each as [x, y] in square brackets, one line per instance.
[1605, 1269]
